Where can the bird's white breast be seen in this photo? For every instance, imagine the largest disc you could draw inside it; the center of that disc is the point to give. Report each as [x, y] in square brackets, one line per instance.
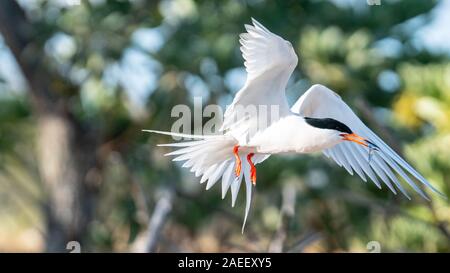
[293, 134]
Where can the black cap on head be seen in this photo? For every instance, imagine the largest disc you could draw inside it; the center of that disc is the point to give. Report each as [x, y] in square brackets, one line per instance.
[328, 123]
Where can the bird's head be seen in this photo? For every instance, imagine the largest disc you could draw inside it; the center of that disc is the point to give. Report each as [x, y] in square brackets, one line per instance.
[340, 131]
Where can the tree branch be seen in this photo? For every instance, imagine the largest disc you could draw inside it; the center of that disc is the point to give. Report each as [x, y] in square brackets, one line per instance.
[66, 153]
[19, 36]
[289, 195]
[158, 219]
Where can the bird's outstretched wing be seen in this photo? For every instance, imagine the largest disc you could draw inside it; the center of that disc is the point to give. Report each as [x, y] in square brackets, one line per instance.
[269, 61]
[387, 165]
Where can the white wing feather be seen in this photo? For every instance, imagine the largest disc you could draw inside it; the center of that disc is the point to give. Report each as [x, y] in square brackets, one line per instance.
[321, 102]
[269, 61]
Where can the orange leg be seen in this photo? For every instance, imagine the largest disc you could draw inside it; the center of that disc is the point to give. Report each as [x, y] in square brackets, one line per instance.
[237, 171]
[252, 168]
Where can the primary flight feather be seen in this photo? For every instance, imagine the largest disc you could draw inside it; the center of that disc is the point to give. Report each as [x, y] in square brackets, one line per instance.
[259, 123]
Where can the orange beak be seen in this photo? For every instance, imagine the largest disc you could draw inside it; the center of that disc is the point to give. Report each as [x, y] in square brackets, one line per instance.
[355, 138]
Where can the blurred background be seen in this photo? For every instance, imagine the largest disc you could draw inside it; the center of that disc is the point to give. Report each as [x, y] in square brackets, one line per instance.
[79, 79]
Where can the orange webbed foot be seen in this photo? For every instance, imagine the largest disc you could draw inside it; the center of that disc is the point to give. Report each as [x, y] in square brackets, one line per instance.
[237, 170]
[252, 168]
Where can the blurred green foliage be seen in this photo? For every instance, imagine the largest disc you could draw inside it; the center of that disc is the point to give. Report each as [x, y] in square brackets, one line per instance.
[132, 61]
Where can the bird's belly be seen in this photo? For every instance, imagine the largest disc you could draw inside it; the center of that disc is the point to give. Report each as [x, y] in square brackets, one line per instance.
[275, 147]
[290, 136]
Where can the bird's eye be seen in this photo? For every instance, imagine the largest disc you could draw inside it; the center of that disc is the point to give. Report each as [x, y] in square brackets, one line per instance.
[289, 43]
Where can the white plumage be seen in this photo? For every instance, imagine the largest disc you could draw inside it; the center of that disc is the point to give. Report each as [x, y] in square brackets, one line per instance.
[319, 121]
[321, 102]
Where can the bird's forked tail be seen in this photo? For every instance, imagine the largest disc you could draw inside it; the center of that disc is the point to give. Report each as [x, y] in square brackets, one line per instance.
[214, 158]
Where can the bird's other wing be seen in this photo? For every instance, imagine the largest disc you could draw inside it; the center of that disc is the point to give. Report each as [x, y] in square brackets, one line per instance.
[385, 165]
[265, 51]
[269, 61]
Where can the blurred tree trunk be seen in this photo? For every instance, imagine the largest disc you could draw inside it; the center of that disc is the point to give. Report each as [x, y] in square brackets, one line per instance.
[66, 153]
